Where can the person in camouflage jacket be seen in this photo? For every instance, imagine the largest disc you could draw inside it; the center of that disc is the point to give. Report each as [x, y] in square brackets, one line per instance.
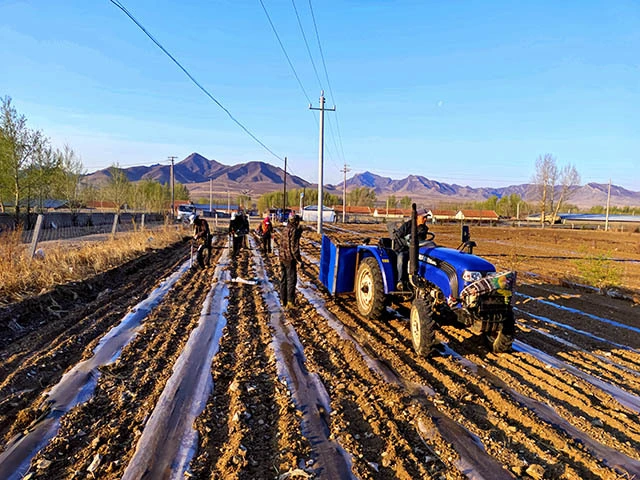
[289, 253]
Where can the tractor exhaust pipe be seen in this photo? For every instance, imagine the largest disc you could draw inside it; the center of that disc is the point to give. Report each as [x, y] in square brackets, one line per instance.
[413, 246]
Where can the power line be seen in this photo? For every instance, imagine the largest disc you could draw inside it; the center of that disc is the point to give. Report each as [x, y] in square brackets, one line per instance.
[333, 138]
[186, 72]
[306, 44]
[326, 73]
[295, 73]
[275, 32]
[315, 26]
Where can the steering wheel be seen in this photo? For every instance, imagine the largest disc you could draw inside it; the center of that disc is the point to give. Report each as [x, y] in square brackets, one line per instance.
[430, 236]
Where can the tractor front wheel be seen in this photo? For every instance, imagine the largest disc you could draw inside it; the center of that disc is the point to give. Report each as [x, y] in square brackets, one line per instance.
[370, 295]
[422, 327]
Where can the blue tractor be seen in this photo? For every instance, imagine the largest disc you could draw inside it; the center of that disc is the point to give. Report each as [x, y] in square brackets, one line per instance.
[445, 286]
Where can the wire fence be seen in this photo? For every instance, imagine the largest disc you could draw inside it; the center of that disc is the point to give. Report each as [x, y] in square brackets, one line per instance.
[63, 226]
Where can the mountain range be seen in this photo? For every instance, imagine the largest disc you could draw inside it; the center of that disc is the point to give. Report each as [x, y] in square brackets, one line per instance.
[256, 178]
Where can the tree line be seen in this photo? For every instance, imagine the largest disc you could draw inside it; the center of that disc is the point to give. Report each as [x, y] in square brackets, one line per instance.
[32, 171]
[358, 197]
[552, 187]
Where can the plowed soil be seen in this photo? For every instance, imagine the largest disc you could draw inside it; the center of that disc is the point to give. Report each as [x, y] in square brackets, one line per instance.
[564, 404]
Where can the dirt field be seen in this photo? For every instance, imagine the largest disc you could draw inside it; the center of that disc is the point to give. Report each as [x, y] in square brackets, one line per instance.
[156, 370]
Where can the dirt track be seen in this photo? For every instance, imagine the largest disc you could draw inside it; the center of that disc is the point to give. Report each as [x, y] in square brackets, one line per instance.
[336, 393]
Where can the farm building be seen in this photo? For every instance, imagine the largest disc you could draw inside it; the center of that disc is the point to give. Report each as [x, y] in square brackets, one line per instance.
[101, 205]
[391, 212]
[488, 216]
[355, 214]
[442, 215]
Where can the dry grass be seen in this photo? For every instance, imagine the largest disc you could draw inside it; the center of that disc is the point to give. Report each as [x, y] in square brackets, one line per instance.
[68, 261]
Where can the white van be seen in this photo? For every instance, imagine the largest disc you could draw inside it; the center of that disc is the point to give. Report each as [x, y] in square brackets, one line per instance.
[185, 211]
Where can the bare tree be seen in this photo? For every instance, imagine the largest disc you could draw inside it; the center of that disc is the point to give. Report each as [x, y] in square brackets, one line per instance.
[569, 177]
[553, 185]
[89, 193]
[544, 182]
[70, 173]
[244, 200]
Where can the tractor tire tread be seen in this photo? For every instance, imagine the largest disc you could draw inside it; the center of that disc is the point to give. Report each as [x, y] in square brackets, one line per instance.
[423, 345]
[504, 339]
[379, 302]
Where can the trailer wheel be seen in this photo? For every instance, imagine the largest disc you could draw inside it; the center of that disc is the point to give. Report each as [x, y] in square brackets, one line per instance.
[502, 341]
[422, 327]
[370, 295]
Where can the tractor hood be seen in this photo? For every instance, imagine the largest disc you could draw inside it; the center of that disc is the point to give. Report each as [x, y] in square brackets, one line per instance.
[459, 260]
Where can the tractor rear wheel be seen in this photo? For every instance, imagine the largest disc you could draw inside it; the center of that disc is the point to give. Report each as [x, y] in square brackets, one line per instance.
[422, 327]
[370, 295]
[502, 341]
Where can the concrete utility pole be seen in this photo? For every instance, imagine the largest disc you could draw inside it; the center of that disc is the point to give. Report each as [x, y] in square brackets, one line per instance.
[301, 207]
[173, 204]
[211, 195]
[284, 192]
[606, 218]
[321, 156]
[344, 193]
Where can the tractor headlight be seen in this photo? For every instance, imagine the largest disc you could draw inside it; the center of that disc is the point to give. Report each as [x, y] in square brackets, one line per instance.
[469, 276]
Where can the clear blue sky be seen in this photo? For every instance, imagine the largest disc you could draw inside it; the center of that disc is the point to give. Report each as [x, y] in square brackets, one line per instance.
[460, 92]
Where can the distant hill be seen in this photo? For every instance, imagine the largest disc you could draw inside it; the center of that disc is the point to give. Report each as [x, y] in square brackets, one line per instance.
[257, 178]
[596, 194]
[196, 170]
[423, 190]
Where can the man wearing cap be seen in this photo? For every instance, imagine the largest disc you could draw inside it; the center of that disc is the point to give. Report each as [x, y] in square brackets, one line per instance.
[402, 237]
[289, 259]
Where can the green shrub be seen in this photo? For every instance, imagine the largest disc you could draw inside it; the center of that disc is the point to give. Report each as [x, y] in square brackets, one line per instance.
[599, 270]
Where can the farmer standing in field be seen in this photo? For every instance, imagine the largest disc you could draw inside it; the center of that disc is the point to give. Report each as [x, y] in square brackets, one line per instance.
[266, 229]
[289, 259]
[202, 233]
[238, 228]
